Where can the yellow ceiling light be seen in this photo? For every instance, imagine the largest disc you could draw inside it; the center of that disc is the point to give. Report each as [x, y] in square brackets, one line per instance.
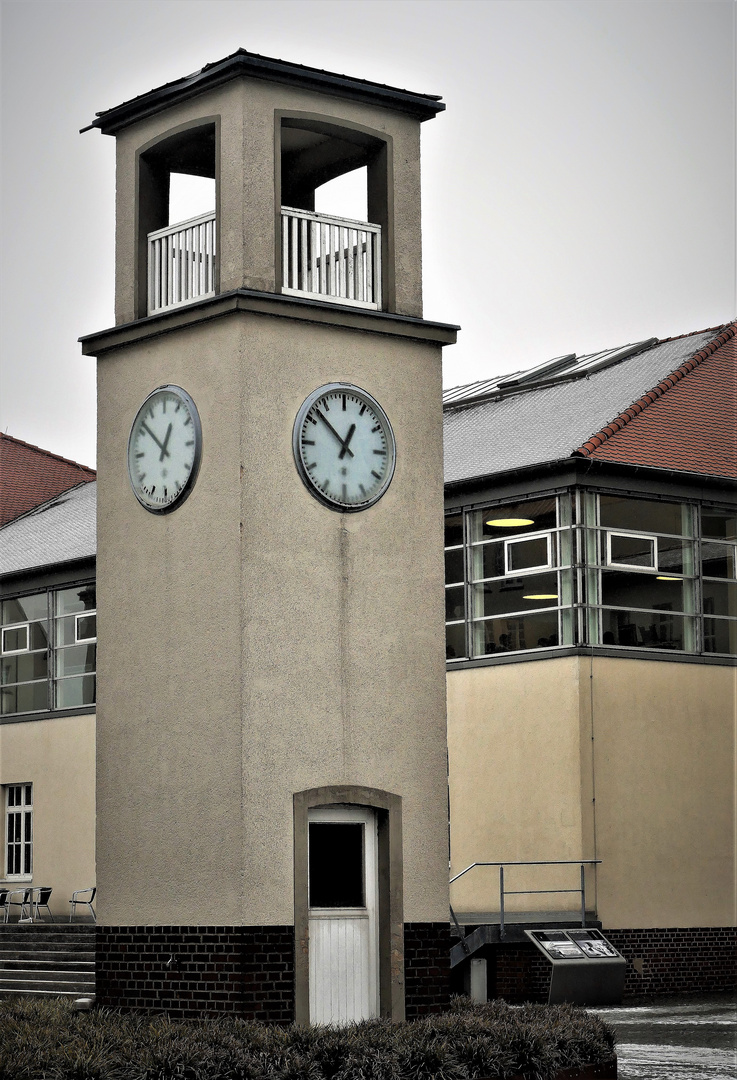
[510, 523]
[541, 596]
[664, 577]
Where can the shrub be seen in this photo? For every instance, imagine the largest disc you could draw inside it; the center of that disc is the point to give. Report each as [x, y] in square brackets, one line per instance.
[49, 1040]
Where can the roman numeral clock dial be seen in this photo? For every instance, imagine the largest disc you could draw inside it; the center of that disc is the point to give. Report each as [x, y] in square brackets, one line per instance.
[344, 447]
[164, 449]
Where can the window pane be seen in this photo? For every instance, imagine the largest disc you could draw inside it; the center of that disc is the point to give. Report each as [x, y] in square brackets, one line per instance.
[643, 515]
[336, 864]
[24, 668]
[719, 524]
[720, 636]
[528, 554]
[65, 631]
[15, 639]
[73, 693]
[454, 603]
[453, 530]
[455, 641]
[718, 560]
[515, 594]
[631, 550]
[642, 629]
[24, 608]
[675, 556]
[509, 635]
[81, 598]
[454, 565]
[620, 589]
[86, 627]
[76, 661]
[28, 697]
[487, 560]
[39, 635]
[720, 597]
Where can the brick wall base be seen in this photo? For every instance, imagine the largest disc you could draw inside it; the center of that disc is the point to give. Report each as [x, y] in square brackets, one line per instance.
[245, 970]
[659, 961]
[426, 968]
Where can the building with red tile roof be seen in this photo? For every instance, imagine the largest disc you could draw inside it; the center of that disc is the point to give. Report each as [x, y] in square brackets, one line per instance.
[591, 606]
[30, 476]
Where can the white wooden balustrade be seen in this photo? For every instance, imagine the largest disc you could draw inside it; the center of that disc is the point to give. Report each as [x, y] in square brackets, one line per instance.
[331, 258]
[181, 263]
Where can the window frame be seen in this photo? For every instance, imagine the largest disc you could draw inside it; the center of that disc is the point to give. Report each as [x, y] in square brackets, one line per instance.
[653, 568]
[540, 567]
[24, 810]
[15, 626]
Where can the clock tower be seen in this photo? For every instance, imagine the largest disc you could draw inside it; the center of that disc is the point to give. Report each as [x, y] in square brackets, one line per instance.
[272, 834]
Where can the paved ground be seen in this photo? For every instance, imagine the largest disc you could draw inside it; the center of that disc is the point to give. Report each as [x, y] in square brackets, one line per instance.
[689, 1037]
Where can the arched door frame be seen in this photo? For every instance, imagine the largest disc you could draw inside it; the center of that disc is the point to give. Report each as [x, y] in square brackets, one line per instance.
[388, 809]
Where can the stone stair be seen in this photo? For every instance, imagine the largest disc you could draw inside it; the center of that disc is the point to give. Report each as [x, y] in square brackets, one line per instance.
[47, 959]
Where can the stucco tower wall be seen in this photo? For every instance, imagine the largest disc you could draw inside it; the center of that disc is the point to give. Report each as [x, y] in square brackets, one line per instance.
[269, 644]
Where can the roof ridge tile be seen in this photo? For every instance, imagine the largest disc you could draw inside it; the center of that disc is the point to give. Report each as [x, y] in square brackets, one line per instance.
[47, 453]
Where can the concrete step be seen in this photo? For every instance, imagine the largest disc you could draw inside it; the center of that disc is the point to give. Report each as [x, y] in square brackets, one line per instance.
[55, 962]
[42, 959]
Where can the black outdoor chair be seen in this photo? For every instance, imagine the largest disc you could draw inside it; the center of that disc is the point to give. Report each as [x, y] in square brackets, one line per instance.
[76, 899]
[25, 904]
[41, 899]
[4, 907]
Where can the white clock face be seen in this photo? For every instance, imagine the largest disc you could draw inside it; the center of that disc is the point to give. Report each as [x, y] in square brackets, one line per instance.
[164, 449]
[344, 447]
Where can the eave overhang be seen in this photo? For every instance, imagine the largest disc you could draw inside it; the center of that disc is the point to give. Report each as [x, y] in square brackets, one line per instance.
[251, 65]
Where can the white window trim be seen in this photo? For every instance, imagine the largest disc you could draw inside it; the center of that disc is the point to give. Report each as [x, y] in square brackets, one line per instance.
[23, 809]
[17, 626]
[508, 544]
[650, 537]
[84, 615]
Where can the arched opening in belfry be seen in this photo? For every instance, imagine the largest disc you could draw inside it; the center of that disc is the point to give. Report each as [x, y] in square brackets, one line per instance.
[334, 191]
[177, 194]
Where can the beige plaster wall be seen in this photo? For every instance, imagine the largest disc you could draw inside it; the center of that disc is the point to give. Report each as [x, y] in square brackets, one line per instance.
[665, 793]
[58, 757]
[515, 767]
[532, 745]
[248, 210]
[254, 643]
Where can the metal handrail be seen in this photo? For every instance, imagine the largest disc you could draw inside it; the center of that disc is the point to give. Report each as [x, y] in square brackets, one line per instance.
[582, 863]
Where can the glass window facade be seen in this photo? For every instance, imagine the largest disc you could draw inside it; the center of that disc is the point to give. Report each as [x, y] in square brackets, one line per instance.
[591, 568]
[48, 650]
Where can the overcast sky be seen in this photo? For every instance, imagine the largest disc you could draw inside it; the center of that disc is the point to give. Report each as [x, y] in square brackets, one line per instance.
[578, 192]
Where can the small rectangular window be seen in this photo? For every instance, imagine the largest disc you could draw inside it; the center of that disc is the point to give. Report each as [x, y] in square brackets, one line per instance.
[336, 865]
[527, 554]
[85, 626]
[16, 638]
[627, 550]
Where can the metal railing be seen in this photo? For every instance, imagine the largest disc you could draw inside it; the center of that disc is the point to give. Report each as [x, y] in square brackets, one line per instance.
[582, 863]
[181, 263]
[331, 258]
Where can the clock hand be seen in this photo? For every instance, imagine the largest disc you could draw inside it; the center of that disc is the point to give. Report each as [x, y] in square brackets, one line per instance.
[348, 438]
[335, 433]
[147, 429]
[164, 452]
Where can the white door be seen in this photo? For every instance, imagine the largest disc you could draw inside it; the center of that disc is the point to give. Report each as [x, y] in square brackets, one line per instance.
[343, 888]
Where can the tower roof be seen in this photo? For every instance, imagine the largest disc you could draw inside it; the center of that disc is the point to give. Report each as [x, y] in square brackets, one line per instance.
[244, 63]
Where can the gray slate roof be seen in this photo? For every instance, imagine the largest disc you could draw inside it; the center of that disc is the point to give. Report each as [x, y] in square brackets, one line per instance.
[547, 423]
[58, 531]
